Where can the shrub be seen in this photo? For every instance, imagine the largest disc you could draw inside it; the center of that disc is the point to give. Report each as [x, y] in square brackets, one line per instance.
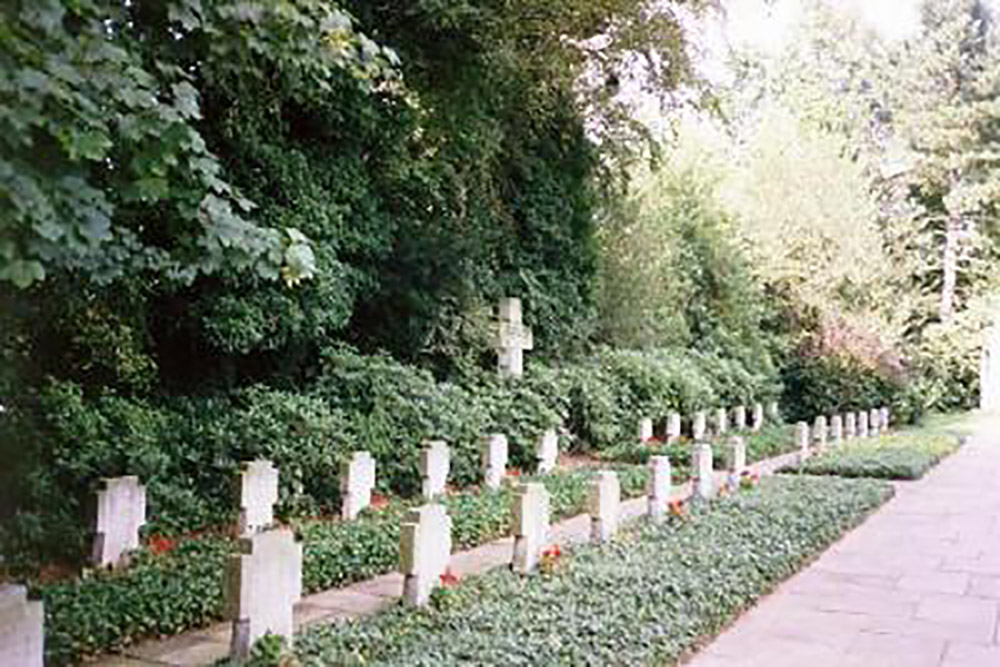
[904, 456]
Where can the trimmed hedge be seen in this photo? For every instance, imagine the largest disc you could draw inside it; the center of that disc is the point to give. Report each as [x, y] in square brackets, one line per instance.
[647, 598]
[904, 456]
[181, 588]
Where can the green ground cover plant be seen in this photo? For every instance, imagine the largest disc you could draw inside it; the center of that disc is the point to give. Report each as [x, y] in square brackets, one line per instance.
[647, 598]
[174, 585]
[907, 456]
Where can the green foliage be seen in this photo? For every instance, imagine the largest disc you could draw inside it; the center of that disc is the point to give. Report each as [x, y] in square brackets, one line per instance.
[618, 604]
[903, 456]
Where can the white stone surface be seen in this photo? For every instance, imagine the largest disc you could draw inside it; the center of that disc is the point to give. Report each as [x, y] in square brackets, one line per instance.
[758, 416]
[604, 504]
[513, 338]
[721, 421]
[737, 455]
[424, 552]
[645, 429]
[531, 526]
[547, 452]
[802, 438]
[836, 430]
[862, 424]
[121, 512]
[819, 433]
[22, 628]
[772, 411]
[739, 417]
[673, 426]
[357, 479]
[698, 425]
[873, 422]
[659, 487]
[258, 494]
[264, 583]
[885, 418]
[850, 426]
[435, 464]
[493, 452]
[704, 484]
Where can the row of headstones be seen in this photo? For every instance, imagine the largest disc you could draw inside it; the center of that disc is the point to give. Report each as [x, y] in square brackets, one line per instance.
[723, 421]
[838, 428]
[264, 578]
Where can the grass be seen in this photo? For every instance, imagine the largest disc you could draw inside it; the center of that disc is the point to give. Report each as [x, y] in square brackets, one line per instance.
[903, 456]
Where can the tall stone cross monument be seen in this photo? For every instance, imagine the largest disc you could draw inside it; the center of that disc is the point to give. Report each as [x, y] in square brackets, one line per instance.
[513, 338]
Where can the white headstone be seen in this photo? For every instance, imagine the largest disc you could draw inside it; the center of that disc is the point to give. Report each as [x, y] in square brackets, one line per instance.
[739, 417]
[547, 453]
[493, 454]
[773, 412]
[758, 416]
[645, 429]
[802, 437]
[873, 422]
[357, 479]
[435, 464]
[264, 583]
[531, 526]
[819, 432]
[738, 455]
[698, 425]
[989, 368]
[673, 426]
[862, 424]
[424, 552]
[22, 628]
[704, 483]
[258, 493]
[884, 418]
[837, 430]
[659, 487]
[721, 421]
[513, 338]
[604, 504]
[121, 512]
[850, 426]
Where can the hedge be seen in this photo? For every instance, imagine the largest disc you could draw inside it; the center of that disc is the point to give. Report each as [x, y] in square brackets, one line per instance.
[648, 597]
[904, 456]
[178, 586]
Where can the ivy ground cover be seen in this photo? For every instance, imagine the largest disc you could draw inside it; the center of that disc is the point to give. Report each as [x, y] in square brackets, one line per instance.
[905, 456]
[175, 585]
[649, 597]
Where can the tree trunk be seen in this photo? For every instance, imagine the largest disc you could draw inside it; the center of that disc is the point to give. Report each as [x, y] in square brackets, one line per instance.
[949, 267]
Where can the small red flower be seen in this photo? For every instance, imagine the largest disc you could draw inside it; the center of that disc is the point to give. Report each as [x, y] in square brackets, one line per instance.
[159, 544]
[449, 579]
[552, 552]
[677, 507]
[514, 472]
[379, 501]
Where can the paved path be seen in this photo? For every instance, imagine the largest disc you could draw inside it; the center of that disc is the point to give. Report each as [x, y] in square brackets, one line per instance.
[917, 585]
[202, 647]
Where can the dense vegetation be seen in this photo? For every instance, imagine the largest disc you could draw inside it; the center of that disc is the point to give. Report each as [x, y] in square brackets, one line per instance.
[906, 456]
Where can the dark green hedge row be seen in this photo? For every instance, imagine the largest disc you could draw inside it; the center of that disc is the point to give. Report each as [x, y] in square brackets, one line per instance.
[179, 588]
[646, 598]
[902, 456]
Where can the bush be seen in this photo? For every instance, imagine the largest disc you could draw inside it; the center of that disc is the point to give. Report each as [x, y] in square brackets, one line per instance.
[647, 598]
[905, 456]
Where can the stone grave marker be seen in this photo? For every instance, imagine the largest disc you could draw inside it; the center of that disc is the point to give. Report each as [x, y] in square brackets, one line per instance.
[673, 426]
[819, 432]
[739, 417]
[604, 504]
[424, 552]
[435, 464]
[357, 479]
[721, 421]
[531, 526]
[836, 430]
[758, 416]
[737, 455]
[862, 424]
[884, 418]
[659, 487]
[258, 493]
[121, 512]
[547, 453]
[772, 411]
[802, 437]
[645, 429]
[22, 628]
[513, 338]
[850, 426]
[264, 581]
[698, 425]
[873, 422]
[493, 454]
[703, 483]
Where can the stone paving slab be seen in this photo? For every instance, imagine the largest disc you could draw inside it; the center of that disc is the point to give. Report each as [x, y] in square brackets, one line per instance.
[918, 584]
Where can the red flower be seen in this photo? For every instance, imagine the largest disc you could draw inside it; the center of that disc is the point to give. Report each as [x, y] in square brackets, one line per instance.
[552, 552]
[449, 579]
[514, 472]
[161, 545]
[677, 507]
[379, 501]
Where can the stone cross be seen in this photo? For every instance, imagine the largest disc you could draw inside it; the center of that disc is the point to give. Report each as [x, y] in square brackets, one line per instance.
[758, 416]
[258, 493]
[264, 581]
[721, 421]
[884, 418]
[698, 425]
[873, 422]
[513, 338]
[357, 479]
[739, 417]
[862, 424]
[531, 526]
[435, 464]
[738, 455]
[819, 432]
[673, 426]
[837, 430]
[772, 411]
[22, 634]
[547, 452]
[424, 552]
[703, 469]
[659, 487]
[493, 453]
[802, 437]
[645, 429]
[121, 512]
[604, 503]
[850, 426]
